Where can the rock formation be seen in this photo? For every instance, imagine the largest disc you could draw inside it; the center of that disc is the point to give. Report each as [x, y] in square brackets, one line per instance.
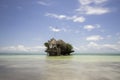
[58, 47]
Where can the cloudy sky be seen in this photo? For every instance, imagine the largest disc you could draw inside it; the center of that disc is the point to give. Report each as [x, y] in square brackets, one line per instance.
[91, 26]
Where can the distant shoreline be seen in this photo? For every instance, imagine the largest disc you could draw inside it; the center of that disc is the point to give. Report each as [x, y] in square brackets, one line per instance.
[71, 54]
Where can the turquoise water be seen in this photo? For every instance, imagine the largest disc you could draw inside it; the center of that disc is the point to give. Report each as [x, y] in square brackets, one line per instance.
[82, 58]
[74, 67]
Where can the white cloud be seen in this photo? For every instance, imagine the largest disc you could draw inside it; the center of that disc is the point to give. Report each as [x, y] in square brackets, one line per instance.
[79, 48]
[93, 47]
[94, 10]
[56, 16]
[15, 48]
[92, 44]
[94, 38]
[104, 46]
[22, 48]
[90, 47]
[43, 3]
[87, 2]
[99, 1]
[60, 29]
[77, 19]
[91, 27]
[54, 29]
[37, 49]
[92, 7]
[64, 17]
[112, 46]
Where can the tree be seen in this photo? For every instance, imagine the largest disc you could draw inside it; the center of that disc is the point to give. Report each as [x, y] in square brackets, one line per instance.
[46, 44]
[59, 47]
[69, 47]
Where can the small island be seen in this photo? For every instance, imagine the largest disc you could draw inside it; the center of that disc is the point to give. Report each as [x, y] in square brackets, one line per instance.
[58, 47]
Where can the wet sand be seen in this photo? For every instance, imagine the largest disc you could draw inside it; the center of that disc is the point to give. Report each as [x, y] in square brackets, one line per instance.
[35, 68]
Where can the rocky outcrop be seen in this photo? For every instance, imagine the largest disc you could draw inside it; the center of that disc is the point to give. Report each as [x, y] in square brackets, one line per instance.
[58, 47]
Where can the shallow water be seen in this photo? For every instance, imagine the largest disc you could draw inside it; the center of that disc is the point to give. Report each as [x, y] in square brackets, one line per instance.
[41, 67]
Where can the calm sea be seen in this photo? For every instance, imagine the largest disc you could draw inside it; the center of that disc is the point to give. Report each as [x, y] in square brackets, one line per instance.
[74, 67]
[77, 57]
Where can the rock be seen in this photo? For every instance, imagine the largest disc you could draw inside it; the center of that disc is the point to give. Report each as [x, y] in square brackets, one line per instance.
[58, 47]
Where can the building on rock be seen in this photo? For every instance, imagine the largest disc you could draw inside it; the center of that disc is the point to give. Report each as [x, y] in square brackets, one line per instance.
[58, 47]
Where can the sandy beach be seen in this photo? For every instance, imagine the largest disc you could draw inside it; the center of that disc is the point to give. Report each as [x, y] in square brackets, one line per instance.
[42, 68]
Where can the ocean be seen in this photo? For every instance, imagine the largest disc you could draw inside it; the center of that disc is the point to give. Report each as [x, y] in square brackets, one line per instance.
[74, 67]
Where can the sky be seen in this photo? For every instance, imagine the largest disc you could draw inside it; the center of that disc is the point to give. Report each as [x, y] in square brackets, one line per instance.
[91, 26]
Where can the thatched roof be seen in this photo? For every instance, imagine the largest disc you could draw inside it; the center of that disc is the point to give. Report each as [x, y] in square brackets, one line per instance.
[60, 42]
[53, 41]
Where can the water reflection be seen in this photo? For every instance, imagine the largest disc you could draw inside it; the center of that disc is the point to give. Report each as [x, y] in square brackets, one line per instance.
[59, 57]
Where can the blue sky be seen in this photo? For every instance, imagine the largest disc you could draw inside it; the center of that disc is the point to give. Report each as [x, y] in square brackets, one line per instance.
[91, 26]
